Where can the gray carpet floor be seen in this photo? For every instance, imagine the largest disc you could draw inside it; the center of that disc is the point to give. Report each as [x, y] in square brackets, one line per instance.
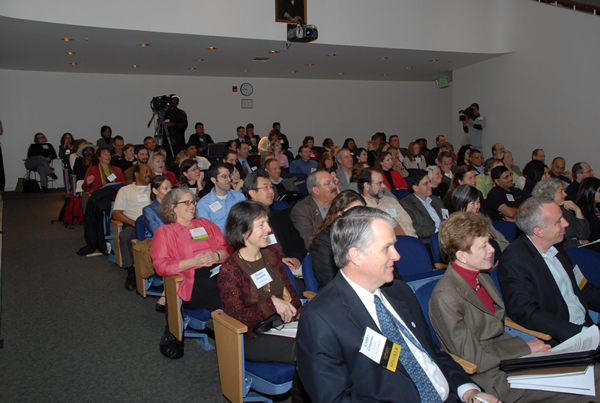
[72, 332]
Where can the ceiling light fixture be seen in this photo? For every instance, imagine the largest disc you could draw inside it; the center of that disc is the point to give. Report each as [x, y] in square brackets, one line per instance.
[434, 60]
[135, 66]
[244, 71]
[341, 74]
[192, 68]
[144, 44]
[274, 51]
[331, 55]
[73, 64]
[199, 60]
[212, 48]
[293, 71]
[309, 64]
[409, 68]
[383, 58]
[384, 74]
[70, 53]
[66, 39]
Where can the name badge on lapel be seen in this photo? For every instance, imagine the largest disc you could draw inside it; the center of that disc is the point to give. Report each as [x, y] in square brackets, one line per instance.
[381, 350]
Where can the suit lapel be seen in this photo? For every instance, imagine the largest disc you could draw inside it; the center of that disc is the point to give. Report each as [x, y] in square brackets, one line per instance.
[542, 270]
[465, 291]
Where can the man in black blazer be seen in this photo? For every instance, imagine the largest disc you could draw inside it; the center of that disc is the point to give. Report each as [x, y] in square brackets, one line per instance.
[331, 330]
[244, 164]
[426, 211]
[542, 290]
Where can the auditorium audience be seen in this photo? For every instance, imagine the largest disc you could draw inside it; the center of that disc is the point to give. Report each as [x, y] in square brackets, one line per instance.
[191, 176]
[141, 157]
[476, 160]
[281, 185]
[557, 170]
[101, 173]
[247, 232]
[85, 154]
[538, 155]
[265, 143]
[304, 165]
[438, 187]
[324, 267]
[588, 198]
[326, 162]
[414, 158]
[484, 182]
[508, 161]
[279, 154]
[39, 157]
[201, 139]
[504, 199]
[464, 155]
[580, 171]
[536, 172]
[157, 163]
[128, 157]
[392, 178]
[159, 187]
[244, 164]
[464, 175]
[345, 163]
[372, 148]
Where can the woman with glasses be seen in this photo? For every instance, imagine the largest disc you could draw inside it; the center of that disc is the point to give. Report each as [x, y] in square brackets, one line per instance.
[254, 284]
[191, 176]
[189, 246]
[39, 156]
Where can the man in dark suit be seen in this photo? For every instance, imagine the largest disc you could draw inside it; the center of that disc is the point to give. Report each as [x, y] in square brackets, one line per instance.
[426, 211]
[333, 360]
[309, 213]
[244, 164]
[201, 140]
[541, 288]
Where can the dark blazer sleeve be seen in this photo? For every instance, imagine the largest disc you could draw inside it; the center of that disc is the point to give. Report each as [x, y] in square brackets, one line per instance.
[594, 223]
[324, 266]
[305, 219]
[422, 222]
[292, 243]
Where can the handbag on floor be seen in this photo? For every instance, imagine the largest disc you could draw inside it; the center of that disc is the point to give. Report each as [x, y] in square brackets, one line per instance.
[26, 185]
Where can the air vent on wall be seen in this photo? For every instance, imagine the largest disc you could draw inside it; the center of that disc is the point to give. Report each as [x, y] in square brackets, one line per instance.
[261, 59]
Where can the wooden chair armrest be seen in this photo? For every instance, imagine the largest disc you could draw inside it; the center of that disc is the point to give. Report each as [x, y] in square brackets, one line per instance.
[510, 323]
[441, 266]
[469, 367]
[116, 222]
[309, 294]
[228, 322]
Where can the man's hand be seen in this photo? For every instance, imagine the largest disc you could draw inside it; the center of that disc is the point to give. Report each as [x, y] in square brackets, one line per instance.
[538, 346]
[469, 397]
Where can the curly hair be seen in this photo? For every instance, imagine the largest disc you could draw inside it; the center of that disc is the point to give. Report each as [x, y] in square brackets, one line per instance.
[459, 231]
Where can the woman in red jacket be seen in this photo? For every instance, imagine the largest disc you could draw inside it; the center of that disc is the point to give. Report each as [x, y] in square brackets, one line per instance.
[101, 173]
[393, 179]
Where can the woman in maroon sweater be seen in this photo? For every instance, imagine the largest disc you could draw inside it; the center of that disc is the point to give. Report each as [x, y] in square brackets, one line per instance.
[252, 301]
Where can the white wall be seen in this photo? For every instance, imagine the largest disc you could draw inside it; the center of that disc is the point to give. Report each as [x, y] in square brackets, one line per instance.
[546, 94]
[54, 103]
[479, 26]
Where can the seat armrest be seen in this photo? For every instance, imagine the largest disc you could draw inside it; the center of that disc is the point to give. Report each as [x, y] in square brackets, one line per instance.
[116, 222]
[510, 323]
[228, 322]
[441, 266]
[309, 294]
[469, 367]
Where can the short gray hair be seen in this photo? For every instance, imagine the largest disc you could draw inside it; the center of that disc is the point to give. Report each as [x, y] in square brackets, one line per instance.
[354, 229]
[547, 188]
[171, 199]
[311, 181]
[530, 214]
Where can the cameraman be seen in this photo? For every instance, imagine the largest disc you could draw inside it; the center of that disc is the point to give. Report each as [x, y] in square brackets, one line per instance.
[176, 122]
[471, 117]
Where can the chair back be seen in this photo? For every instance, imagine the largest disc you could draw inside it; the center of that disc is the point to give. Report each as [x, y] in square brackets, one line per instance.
[423, 295]
[291, 277]
[494, 277]
[414, 258]
[281, 205]
[140, 228]
[309, 277]
[507, 228]
[302, 187]
[215, 150]
[434, 243]
[400, 193]
[299, 176]
[588, 262]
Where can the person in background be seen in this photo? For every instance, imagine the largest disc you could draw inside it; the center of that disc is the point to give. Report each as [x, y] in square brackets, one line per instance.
[157, 163]
[191, 176]
[128, 157]
[324, 267]
[159, 187]
[86, 153]
[232, 145]
[142, 156]
[537, 171]
[39, 156]
[580, 171]
[372, 147]
[101, 173]
[504, 199]
[281, 185]
[588, 199]
[393, 179]
[66, 148]
[192, 152]
[150, 145]
[578, 231]
[507, 158]
[304, 164]
[265, 143]
[476, 160]
[538, 155]
[350, 144]
[414, 159]
[201, 139]
[279, 154]
[327, 162]
[484, 182]
[464, 155]
[438, 188]
[252, 139]
[464, 175]
[310, 142]
[105, 140]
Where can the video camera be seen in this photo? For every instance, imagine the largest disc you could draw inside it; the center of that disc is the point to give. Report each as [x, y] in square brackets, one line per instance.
[467, 113]
[160, 104]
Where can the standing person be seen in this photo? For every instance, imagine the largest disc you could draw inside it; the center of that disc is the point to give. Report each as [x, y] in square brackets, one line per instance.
[105, 140]
[176, 122]
[354, 305]
[66, 148]
[201, 139]
[101, 173]
[473, 134]
[189, 246]
[39, 156]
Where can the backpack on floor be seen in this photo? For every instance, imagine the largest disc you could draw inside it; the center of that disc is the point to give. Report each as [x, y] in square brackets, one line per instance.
[71, 212]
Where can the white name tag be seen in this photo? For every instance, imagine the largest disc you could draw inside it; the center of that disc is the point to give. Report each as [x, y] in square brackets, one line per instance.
[199, 234]
[579, 277]
[215, 271]
[445, 214]
[253, 169]
[194, 190]
[271, 239]
[45, 147]
[392, 212]
[111, 177]
[142, 198]
[261, 278]
[216, 206]
[510, 198]
[381, 350]
[313, 170]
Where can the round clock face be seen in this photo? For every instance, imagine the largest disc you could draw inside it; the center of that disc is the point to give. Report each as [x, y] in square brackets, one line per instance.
[246, 89]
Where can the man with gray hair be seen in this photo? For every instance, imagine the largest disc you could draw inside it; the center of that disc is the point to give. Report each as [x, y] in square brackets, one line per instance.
[345, 163]
[354, 312]
[542, 289]
[309, 213]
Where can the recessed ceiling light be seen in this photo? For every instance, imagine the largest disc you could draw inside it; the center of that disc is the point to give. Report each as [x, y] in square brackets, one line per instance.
[70, 53]
[293, 71]
[409, 68]
[274, 51]
[135, 66]
[66, 39]
[383, 58]
[384, 74]
[212, 48]
[244, 71]
[434, 60]
[73, 64]
[192, 68]
[309, 64]
[331, 55]
[341, 74]
[199, 60]
[144, 44]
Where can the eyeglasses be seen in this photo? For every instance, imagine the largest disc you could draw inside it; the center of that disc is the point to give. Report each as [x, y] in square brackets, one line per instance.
[223, 176]
[266, 187]
[40, 137]
[194, 169]
[186, 202]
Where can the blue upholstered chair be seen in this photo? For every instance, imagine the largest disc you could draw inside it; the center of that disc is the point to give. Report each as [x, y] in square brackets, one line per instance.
[507, 228]
[144, 285]
[588, 262]
[414, 265]
[400, 193]
[310, 281]
[281, 205]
